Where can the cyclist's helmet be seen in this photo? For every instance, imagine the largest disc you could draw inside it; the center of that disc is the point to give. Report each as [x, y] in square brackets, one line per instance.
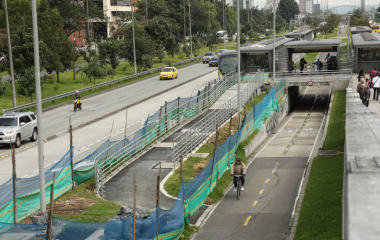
[77, 91]
[238, 159]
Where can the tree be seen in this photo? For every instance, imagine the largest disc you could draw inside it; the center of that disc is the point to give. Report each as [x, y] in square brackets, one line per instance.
[171, 45]
[74, 55]
[27, 83]
[155, 8]
[59, 48]
[160, 53]
[3, 87]
[145, 46]
[161, 28]
[357, 19]
[211, 40]
[109, 52]
[243, 38]
[288, 9]
[314, 25]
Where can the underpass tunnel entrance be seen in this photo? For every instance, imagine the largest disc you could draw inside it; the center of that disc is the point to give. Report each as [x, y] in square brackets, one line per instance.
[302, 98]
[328, 50]
[294, 97]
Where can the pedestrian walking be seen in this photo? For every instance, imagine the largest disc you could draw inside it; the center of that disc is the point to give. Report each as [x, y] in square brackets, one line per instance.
[291, 67]
[363, 93]
[319, 65]
[302, 64]
[376, 86]
[362, 81]
[361, 74]
[368, 86]
[372, 74]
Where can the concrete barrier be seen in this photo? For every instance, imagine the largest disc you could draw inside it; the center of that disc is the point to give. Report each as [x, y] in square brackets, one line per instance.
[270, 124]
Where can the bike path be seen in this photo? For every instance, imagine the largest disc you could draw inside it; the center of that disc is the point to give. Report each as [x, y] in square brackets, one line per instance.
[272, 180]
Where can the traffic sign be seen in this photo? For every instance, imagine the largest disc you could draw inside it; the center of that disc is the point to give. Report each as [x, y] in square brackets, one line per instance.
[310, 83]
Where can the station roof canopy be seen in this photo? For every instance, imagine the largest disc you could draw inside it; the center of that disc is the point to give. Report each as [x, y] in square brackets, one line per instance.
[296, 33]
[360, 29]
[366, 40]
[265, 46]
[314, 45]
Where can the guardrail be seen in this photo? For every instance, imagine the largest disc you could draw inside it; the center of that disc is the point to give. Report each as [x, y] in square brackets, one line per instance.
[205, 128]
[109, 162]
[72, 93]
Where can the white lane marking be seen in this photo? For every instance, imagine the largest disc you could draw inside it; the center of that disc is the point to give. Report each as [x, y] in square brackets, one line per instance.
[35, 171]
[82, 148]
[32, 174]
[57, 161]
[48, 165]
[98, 140]
[104, 138]
[128, 126]
[25, 176]
[133, 124]
[91, 144]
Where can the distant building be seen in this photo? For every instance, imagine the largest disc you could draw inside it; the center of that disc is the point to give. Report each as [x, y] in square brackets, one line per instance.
[269, 4]
[317, 7]
[244, 4]
[306, 6]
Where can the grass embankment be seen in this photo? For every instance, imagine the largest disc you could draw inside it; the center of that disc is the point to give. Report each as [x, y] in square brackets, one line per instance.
[68, 84]
[311, 57]
[334, 33]
[194, 165]
[321, 212]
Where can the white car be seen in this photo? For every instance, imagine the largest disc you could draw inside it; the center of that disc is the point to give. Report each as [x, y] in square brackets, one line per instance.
[207, 57]
[16, 127]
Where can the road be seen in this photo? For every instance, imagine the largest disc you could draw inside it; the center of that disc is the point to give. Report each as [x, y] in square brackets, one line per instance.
[272, 179]
[56, 121]
[89, 138]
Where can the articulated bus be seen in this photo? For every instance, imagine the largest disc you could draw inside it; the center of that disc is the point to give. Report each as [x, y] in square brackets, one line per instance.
[227, 61]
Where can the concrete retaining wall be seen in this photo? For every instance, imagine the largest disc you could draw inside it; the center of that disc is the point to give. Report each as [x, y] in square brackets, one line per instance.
[269, 126]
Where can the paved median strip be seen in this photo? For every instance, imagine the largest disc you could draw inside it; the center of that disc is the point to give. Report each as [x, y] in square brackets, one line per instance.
[261, 191]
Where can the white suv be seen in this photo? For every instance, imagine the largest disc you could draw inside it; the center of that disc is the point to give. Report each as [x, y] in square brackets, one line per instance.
[18, 126]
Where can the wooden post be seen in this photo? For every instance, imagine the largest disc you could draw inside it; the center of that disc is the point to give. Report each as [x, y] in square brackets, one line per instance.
[229, 131]
[214, 152]
[204, 97]
[14, 183]
[178, 111]
[181, 169]
[158, 202]
[166, 115]
[71, 154]
[134, 206]
[159, 123]
[51, 208]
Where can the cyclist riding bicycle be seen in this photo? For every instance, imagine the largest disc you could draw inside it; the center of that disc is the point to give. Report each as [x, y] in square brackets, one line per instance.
[238, 168]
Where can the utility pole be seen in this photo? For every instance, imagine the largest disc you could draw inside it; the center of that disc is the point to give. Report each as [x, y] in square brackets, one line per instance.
[41, 165]
[209, 18]
[224, 39]
[238, 63]
[274, 43]
[191, 40]
[184, 21]
[88, 35]
[10, 55]
[133, 34]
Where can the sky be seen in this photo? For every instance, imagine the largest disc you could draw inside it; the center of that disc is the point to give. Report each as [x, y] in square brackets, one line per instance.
[335, 3]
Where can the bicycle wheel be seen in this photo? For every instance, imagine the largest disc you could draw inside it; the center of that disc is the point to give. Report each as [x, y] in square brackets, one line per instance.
[238, 189]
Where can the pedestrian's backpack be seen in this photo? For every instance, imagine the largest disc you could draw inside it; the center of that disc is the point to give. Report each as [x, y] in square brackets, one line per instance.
[333, 63]
[320, 65]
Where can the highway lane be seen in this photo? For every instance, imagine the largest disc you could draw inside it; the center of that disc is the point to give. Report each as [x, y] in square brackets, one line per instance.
[57, 120]
[87, 139]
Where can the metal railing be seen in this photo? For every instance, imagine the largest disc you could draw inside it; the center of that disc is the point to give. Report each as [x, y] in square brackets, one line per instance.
[205, 128]
[321, 76]
[72, 93]
[109, 162]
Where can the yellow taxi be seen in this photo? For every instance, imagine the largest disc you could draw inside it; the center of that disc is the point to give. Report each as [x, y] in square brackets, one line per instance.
[169, 73]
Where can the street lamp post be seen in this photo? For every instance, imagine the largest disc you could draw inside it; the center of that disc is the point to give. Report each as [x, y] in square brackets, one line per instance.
[238, 63]
[274, 43]
[41, 165]
[191, 39]
[133, 36]
[184, 22]
[10, 55]
[88, 35]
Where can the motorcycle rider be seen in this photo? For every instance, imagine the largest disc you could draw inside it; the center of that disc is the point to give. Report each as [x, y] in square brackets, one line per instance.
[78, 96]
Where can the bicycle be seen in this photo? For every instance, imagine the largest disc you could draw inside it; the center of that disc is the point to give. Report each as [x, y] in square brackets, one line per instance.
[238, 186]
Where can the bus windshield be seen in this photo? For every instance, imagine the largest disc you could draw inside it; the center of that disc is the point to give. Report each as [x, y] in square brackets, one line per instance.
[375, 28]
[227, 63]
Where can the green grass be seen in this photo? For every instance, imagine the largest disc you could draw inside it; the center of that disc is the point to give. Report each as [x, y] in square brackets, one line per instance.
[188, 231]
[321, 212]
[311, 57]
[330, 35]
[101, 211]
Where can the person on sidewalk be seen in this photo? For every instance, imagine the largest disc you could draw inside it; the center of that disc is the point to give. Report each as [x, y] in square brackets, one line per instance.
[361, 74]
[363, 93]
[376, 86]
[362, 81]
[368, 85]
[372, 74]
[238, 168]
[302, 64]
[319, 65]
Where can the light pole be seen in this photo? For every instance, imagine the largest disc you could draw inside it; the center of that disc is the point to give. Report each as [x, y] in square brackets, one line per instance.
[133, 36]
[274, 43]
[88, 35]
[184, 22]
[209, 19]
[10, 55]
[224, 39]
[191, 39]
[41, 165]
[238, 62]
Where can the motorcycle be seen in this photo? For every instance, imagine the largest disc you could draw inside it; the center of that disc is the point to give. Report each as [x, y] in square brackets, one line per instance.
[77, 104]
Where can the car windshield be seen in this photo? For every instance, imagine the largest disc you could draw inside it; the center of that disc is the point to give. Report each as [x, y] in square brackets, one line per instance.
[8, 122]
[167, 70]
[214, 59]
[208, 54]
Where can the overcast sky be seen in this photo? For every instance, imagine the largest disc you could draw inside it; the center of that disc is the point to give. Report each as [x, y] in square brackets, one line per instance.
[369, 3]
